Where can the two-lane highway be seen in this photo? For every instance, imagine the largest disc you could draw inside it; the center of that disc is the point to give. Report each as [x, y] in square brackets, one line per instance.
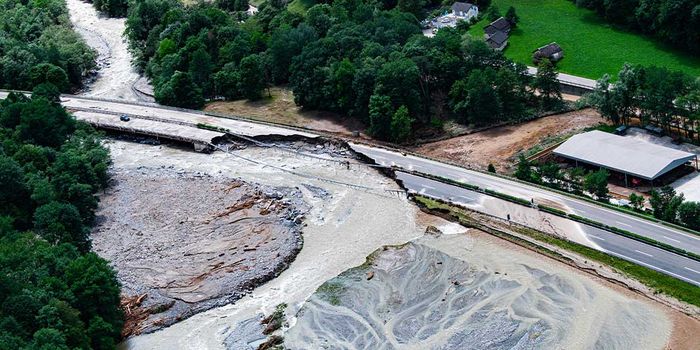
[622, 247]
[646, 228]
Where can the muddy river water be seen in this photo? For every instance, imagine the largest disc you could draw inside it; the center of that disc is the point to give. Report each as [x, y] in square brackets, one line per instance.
[115, 77]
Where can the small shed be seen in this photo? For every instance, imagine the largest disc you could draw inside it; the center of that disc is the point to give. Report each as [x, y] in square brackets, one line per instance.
[551, 51]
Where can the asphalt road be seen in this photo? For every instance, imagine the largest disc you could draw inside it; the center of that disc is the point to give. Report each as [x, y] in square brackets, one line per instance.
[613, 244]
[658, 232]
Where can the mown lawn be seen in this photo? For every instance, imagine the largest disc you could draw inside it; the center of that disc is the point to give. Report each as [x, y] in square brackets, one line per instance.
[591, 46]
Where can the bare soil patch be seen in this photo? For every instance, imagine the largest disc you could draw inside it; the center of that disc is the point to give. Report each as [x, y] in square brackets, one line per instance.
[184, 242]
[499, 146]
[280, 108]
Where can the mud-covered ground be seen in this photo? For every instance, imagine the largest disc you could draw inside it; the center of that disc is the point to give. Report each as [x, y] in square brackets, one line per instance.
[446, 293]
[183, 242]
[499, 146]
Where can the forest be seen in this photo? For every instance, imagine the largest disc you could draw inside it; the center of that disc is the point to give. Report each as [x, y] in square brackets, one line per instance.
[38, 45]
[362, 59]
[54, 292]
[676, 22]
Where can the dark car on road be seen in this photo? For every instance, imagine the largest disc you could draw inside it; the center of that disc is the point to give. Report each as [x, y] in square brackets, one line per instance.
[124, 118]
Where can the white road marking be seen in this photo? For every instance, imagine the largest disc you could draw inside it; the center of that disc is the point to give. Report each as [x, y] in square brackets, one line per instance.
[623, 224]
[689, 269]
[596, 237]
[429, 187]
[697, 283]
[671, 239]
[647, 254]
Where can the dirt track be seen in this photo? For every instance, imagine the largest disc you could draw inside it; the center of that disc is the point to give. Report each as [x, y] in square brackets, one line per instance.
[500, 145]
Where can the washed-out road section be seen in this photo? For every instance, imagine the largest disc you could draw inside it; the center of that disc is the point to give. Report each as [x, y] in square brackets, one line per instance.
[674, 265]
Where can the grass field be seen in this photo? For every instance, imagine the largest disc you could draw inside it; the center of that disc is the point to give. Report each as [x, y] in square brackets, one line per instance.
[591, 46]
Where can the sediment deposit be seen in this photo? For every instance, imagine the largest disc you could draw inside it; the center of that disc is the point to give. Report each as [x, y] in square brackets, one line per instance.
[441, 293]
[183, 242]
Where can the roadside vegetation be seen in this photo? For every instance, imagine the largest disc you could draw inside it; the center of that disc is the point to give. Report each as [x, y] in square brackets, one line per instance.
[56, 294]
[658, 282]
[650, 95]
[592, 46]
[361, 59]
[38, 45]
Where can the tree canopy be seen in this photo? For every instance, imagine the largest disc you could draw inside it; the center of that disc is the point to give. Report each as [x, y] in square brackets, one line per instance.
[359, 58]
[55, 293]
[38, 45]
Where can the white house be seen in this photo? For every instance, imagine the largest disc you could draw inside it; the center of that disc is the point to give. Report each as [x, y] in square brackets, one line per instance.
[464, 11]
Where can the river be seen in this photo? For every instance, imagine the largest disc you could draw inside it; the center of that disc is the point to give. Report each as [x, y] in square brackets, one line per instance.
[115, 78]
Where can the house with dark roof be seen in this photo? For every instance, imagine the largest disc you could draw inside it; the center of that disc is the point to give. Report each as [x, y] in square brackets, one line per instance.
[499, 25]
[497, 41]
[464, 11]
[551, 51]
[496, 34]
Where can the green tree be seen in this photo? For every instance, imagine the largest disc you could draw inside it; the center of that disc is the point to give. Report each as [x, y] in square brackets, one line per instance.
[512, 17]
[665, 203]
[49, 73]
[492, 13]
[551, 172]
[576, 178]
[90, 279]
[399, 79]
[227, 82]
[253, 81]
[637, 201]
[61, 223]
[200, 69]
[401, 125]
[689, 214]
[381, 112]
[474, 100]
[180, 91]
[596, 183]
[491, 168]
[524, 169]
[48, 339]
[547, 85]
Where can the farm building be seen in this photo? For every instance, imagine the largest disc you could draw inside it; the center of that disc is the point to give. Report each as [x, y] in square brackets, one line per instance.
[628, 156]
[499, 25]
[551, 51]
[497, 41]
